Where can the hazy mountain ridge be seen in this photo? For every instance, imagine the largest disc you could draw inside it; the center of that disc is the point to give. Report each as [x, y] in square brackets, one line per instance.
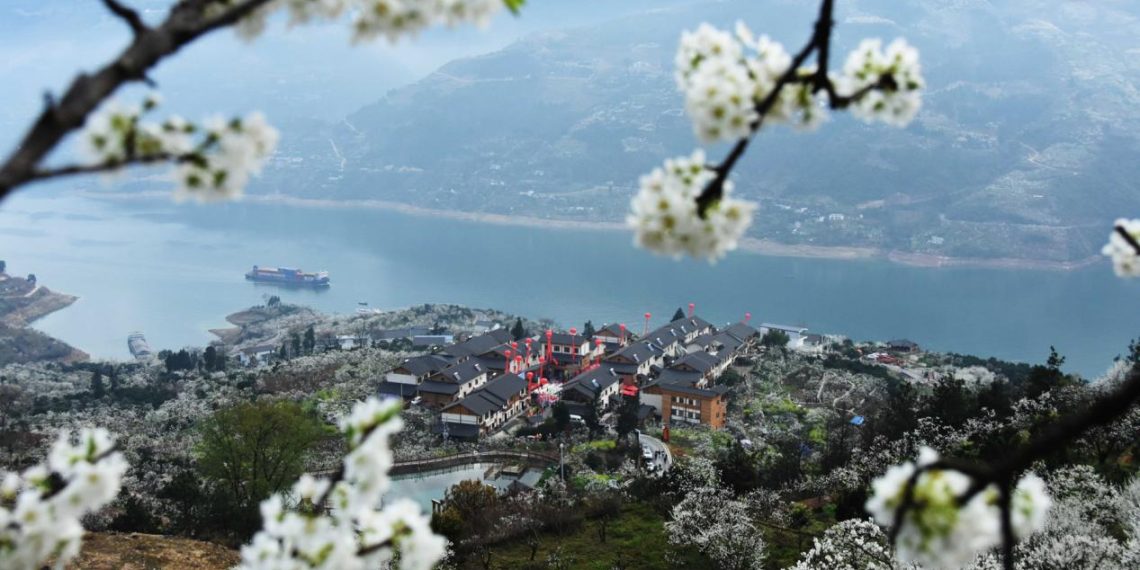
[1025, 147]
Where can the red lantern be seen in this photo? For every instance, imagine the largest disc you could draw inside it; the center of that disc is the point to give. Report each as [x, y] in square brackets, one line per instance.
[691, 307]
[747, 317]
[573, 331]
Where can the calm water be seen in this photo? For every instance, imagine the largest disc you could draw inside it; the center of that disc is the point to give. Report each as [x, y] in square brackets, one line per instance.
[176, 271]
[424, 487]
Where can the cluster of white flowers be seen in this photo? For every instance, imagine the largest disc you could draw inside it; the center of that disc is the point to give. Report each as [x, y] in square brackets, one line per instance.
[725, 76]
[853, 544]
[1125, 258]
[213, 163]
[326, 524]
[373, 18]
[40, 508]
[727, 80]
[895, 103]
[711, 521]
[937, 531]
[235, 150]
[664, 212]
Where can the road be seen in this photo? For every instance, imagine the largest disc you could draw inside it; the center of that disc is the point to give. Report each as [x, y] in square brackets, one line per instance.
[664, 459]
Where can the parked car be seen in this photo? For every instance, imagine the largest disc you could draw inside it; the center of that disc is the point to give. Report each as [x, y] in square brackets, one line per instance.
[647, 453]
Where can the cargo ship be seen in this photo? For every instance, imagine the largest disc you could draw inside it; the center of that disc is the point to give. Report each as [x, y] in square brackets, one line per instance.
[138, 346]
[288, 276]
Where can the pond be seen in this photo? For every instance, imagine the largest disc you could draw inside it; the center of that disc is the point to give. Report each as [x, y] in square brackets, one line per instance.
[423, 487]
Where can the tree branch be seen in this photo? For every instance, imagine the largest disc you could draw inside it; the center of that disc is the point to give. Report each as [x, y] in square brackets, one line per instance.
[187, 21]
[1103, 411]
[44, 174]
[714, 191]
[126, 14]
[1128, 238]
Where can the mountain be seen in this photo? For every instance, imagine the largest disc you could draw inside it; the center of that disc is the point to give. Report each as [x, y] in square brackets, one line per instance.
[1024, 149]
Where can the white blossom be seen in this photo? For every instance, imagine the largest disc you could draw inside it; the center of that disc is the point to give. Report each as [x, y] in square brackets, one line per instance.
[106, 134]
[391, 19]
[355, 532]
[726, 76]
[1125, 258]
[717, 525]
[1030, 504]
[664, 213]
[938, 532]
[216, 167]
[894, 104]
[238, 149]
[39, 513]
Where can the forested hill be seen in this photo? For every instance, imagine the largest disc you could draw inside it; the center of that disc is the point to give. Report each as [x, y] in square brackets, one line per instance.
[1025, 148]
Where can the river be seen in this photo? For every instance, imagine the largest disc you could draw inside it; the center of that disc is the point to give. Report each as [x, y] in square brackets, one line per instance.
[174, 271]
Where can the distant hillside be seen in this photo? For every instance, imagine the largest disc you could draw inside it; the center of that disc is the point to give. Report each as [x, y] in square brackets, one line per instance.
[1026, 147]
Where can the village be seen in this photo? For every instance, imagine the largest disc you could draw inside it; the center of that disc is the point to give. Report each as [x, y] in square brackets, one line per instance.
[493, 383]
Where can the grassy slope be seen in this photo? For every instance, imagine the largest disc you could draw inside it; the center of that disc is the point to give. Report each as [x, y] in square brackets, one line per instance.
[638, 536]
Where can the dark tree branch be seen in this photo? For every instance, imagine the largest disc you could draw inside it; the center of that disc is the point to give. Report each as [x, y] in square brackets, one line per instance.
[1128, 238]
[714, 191]
[820, 44]
[1106, 409]
[373, 548]
[45, 174]
[126, 14]
[187, 21]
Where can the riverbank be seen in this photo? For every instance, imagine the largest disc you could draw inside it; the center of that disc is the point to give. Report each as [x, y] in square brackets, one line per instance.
[754, 246]
[23, 301]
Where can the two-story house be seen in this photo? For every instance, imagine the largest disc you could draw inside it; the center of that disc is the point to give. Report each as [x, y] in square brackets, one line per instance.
[487, 408]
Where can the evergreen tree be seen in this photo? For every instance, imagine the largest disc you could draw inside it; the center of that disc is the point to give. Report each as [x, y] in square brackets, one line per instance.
[296, 344]
[210, 355]
[680, 314]
[3, 266]
[310, 340]
[282, 353]
[627, 417]
[518, 331]
[113, 374]
[775, 338]
[97, 384]
[593, 416]
[589, 331]
[1044, 378]
[273, 301]
[561, 414]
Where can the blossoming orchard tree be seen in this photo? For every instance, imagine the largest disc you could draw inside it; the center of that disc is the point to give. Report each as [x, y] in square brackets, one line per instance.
[939, 511]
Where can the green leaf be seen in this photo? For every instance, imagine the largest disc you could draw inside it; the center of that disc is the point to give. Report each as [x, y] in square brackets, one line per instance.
[515, 6]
